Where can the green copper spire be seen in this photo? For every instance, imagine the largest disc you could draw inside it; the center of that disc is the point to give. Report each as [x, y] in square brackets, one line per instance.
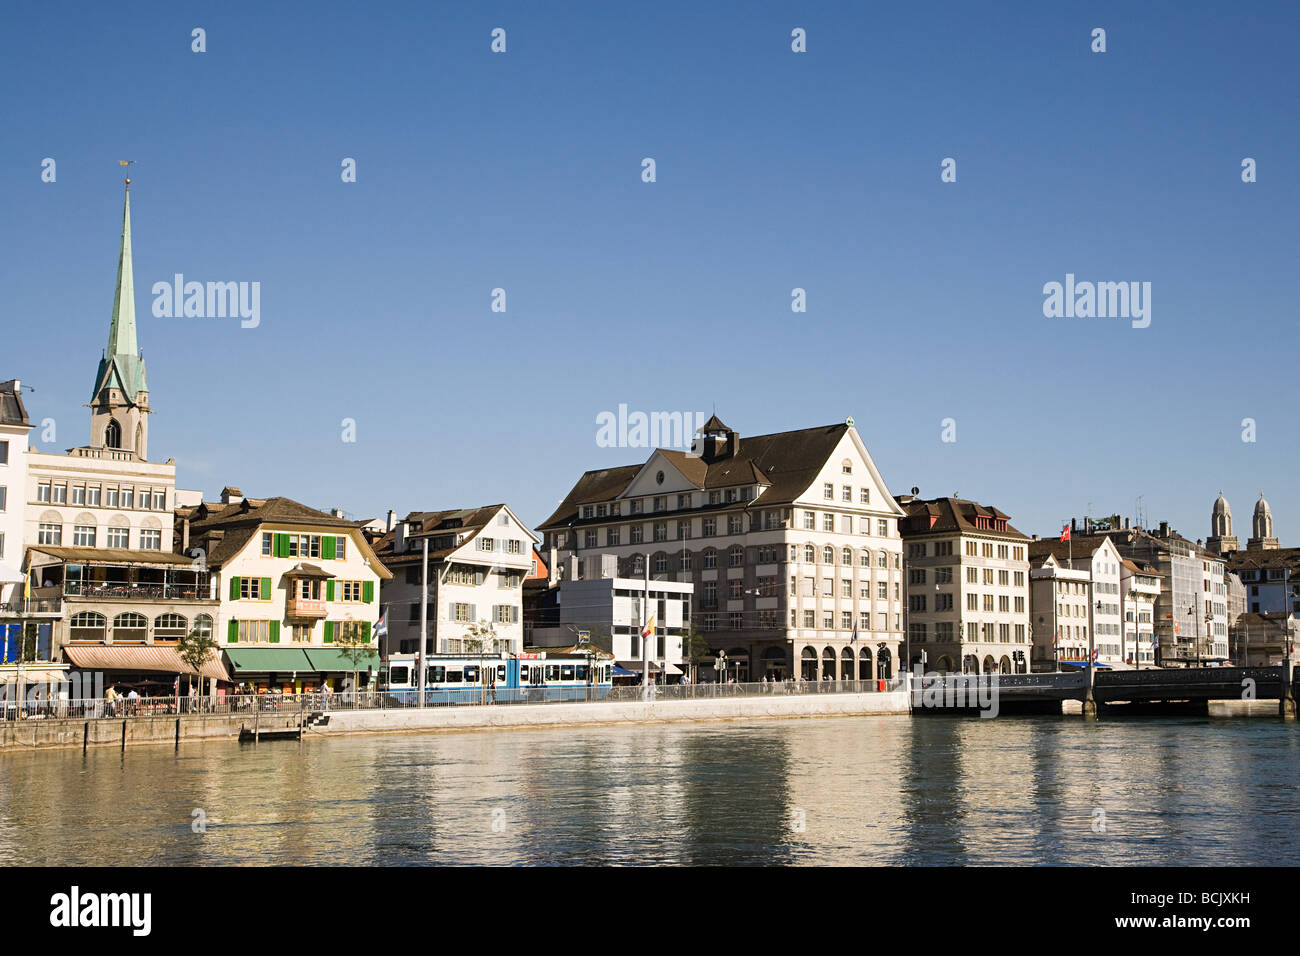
[122, 358]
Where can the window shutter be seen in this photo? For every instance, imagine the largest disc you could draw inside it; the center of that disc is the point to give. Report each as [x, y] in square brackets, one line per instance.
[280, 546]
[234, 589]
[329, 632]
[275, 632]
[473, 613]
[368, 591]
[327, 547]
[365, 632]
[329, 590]
[232, 632]
[266, 589]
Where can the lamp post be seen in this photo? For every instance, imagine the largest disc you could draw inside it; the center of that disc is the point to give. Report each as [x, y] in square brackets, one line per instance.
[1196, 631]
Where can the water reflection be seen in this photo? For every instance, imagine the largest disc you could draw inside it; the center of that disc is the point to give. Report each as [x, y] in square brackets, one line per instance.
[884, 791]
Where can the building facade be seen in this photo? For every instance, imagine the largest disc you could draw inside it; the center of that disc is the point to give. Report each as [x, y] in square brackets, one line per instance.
[478, 560]
[967, 587]
[1075, 593]
[790, 542]
[297, 590]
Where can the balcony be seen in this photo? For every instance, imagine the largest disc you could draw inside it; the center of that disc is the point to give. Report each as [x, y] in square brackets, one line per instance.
[136, 592]
[305, 609]
[33, 607]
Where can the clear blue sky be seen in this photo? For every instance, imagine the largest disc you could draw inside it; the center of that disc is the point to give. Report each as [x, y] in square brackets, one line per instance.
[775, 170]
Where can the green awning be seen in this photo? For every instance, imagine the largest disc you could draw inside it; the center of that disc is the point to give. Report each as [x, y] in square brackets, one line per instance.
[262, 660]
[334, 659]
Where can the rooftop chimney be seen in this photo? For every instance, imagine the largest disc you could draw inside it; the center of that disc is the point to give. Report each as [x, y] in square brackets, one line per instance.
[392, 520]
[231, 495]
[399, 538]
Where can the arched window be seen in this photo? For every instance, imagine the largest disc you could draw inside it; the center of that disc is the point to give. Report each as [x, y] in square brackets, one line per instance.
[864, 664]
[169, 627]
[828, 555]
[203, 625]
[846, 558]
[710, 558]
[864, 558]
[884, 560]
[809, 554]
[87, 626]
[130, 627]
[113, 434]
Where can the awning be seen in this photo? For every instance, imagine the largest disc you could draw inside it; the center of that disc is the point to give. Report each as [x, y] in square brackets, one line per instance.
[635, 667]
[326, 659]
[623, 672]
[149, 658]
[264, 660]
[9, 675]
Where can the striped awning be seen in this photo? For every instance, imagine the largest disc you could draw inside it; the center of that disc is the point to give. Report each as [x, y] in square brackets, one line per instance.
[151, 658]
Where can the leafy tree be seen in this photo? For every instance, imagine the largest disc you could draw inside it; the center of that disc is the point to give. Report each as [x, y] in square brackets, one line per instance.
[195, 649]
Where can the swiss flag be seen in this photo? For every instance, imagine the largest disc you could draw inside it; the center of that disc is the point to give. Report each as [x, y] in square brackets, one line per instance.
[1065, 533]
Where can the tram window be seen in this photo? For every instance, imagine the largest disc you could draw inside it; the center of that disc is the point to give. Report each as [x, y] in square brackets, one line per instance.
[455, 677]
[471, 674]
[552, 671]
[437, 675]
[566, 672]
[523, 673]
[399, 675]
[582, 672]
[501, 672]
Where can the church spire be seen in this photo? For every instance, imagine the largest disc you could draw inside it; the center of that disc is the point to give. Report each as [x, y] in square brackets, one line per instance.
[121, 334]
[122, 357]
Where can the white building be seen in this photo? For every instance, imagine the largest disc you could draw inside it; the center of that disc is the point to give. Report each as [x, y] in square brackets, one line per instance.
[790, 540]
[297, 588]
[612, 610]
[967, 587]
[1076, 592]
[1140, 591]
[478, 559]
[14, 426]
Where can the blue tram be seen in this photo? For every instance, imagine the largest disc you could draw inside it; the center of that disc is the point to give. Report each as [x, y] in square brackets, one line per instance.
[470, 679]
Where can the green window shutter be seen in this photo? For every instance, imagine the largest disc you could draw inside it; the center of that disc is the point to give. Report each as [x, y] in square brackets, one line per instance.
[281, 549]
[327, 547]
[329, 590]
[365, 632]
[266, 589]
[368, 591]
[234, 590]
[275, 632]
[329, 632]
[232, 632]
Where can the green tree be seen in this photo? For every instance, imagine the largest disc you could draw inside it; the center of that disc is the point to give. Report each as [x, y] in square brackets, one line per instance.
[195, 649]
[695, 650]
[481, 640]
[356, 654]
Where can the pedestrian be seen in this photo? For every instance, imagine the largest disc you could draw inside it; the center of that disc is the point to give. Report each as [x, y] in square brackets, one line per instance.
[110, 701]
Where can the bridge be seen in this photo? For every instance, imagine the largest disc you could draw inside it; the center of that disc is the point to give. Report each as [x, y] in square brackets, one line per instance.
[1112, 691]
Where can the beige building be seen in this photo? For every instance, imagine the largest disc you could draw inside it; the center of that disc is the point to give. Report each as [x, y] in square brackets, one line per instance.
[1076, 603]
[790, 541]
[967, 587]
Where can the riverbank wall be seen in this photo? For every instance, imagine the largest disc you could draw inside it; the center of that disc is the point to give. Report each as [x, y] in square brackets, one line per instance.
[45, 733]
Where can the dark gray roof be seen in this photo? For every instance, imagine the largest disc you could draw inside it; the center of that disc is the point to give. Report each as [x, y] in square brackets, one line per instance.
[12, 411]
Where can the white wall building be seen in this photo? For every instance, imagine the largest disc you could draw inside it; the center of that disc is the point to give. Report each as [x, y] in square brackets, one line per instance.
[1077, 591]
[1140, 591]
[478, 559]
[14, 426]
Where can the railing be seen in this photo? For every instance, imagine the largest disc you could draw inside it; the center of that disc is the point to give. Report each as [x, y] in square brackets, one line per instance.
[32, 606]
[139, 592]
[310, 704]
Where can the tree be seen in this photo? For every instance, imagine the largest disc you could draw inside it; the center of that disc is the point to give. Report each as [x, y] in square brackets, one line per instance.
[695, 649]
[356, 654]
[482, 640]
[195, 649]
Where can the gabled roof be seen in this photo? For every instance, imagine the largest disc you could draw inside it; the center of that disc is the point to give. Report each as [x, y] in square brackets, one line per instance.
[952, 515]
[1083, 550]
[788, 462]
[12, 410]
[432, 524]
[238, 522]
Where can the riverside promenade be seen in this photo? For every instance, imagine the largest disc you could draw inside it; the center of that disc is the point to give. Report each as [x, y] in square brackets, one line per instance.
[84, 724]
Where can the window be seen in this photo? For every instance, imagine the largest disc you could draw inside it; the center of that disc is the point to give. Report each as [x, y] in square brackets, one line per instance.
[151, 539]
[130, 627]
[846, 588]
[92, 496]
[159, 500]
[4, 498]
[828, 491]
[828, 555]
[828, 620]
[828, 521]
[683, 530]
[49, 533]
[660, 530]
[882, 590]
[661, 563]
[809, 618]
[864, 496]
[43, 492]
[864, 558]
[846, 493]
[710, 559]
[710, 527]
[809, 554]
[351, 592]
[169, 627]
[683, 501]
[637, 534]
[612, 536]
[118, 538]
[341, 548]
[686, 560]
[110, 497]
[810, 521]
[735, 524]
[61, 494]
[88, 626]
[735, 589]
[128, 497]
[882, 528]
[254, 632]
[250, 589]
[589, 538]
[735, 556]
[83, 536]
[266, 544]
[4, 452]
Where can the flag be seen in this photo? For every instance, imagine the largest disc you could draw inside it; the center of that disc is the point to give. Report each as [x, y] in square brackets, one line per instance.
[648, 629]
[1065, 533]
[1094, 653]
[854, 638]
[381, 629]
[125, 162]
[27, 584]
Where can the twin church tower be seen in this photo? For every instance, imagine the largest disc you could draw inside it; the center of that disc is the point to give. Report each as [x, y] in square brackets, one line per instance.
[1223, 541]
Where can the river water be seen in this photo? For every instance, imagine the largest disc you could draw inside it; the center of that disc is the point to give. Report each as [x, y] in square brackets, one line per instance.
[931, 790]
